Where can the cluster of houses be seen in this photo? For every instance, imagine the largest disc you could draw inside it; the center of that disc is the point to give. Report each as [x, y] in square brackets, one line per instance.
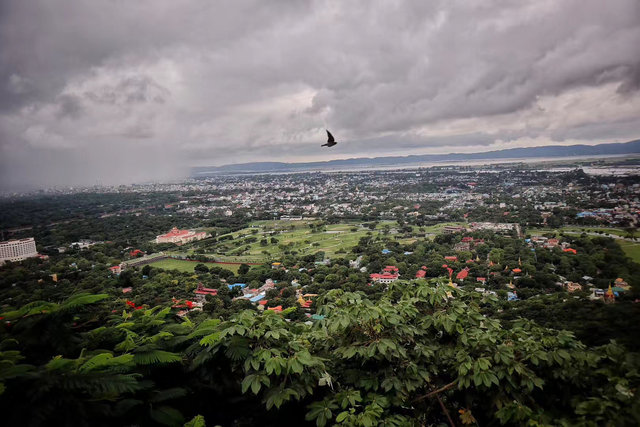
[256, 296]
[609, 295]
[467, 243]
[544, 242]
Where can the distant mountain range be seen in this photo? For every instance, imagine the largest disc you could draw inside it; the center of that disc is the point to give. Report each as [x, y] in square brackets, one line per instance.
[550, 151]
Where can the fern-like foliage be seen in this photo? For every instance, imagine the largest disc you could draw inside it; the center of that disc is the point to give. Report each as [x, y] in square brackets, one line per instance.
[42, 307]
[155, 357]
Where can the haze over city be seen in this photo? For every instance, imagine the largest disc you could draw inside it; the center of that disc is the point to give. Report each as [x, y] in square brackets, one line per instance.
[119, 92]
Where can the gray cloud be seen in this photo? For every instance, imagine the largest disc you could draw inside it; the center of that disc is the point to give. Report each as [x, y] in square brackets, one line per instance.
[196, 83]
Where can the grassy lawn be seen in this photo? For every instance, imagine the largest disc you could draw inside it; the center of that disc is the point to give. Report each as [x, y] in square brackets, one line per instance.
[336, 237]
[578, 230]
[188, 266]
[631, 249]
[297, 236]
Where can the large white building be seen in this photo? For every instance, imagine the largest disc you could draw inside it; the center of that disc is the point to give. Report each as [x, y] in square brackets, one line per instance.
[180, 237]
[17, 250]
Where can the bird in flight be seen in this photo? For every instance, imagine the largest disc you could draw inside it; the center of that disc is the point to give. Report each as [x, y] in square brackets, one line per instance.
[330, 141]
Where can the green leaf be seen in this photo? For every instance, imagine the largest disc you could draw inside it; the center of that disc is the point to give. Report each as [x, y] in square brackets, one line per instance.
[168, 394]
[246, 382]
[95, 362]
[60, 363]
[295, 366]
[342, 416]
[305, 357]
[80, 300]
[197, 421]
[156, 357]
[273, 365]
[211, 339]
[255, 385]
[167, 416]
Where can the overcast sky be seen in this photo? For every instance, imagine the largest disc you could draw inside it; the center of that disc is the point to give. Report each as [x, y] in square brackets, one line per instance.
[119, 91]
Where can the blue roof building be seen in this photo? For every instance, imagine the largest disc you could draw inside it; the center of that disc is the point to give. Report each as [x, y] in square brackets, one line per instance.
[236, 285]
[258, 297]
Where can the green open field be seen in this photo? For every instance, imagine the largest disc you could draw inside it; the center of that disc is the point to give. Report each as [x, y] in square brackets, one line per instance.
[188, 266]
[298, 236]
[631, 249]
[577, 230]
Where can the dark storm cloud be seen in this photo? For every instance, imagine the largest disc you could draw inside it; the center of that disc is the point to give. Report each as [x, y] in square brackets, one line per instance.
[192, 82]
[130, 90]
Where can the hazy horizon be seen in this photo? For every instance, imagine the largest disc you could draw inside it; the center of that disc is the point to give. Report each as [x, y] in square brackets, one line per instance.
[126, 92]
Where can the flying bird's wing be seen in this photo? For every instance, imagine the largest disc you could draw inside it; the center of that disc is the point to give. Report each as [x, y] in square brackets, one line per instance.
[330, 137]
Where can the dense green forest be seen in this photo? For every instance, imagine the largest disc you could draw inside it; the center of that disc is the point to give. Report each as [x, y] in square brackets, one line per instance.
[417, 354]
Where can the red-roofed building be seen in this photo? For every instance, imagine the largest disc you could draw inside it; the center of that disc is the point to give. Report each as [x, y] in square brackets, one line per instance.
[383, 278]
[180, 237]
[391, 269]
[277, 309]
[517, 270]
[116, 269]
[134, 253]
[570, 250]
[202, 292]
[451, 258]
[305, 303]
[481, 279]
[462, 274]
[552, 243]
[421, 274]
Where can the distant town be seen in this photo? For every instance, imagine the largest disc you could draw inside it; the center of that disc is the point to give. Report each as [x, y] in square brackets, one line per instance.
[555, 244]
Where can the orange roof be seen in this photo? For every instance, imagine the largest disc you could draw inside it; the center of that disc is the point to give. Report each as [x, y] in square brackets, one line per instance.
[176, 233]
[383, 276]
[463, 274]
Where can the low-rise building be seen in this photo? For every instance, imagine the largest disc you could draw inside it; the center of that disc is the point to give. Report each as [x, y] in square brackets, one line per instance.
[449, 229]
[202, 292]
[180, 237]
[384, 278]
[573, 286]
